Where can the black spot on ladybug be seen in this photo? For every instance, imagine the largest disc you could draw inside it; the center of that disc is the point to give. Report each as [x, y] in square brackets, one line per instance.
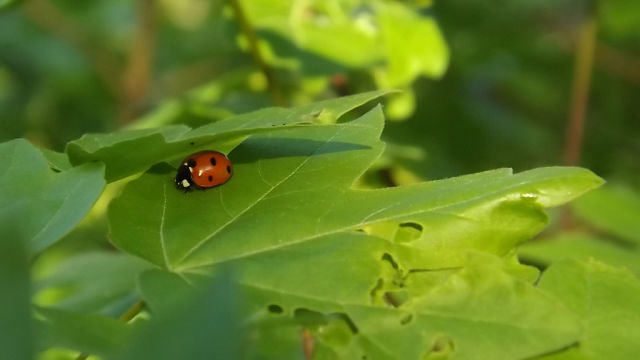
[191, 163]
[213, 161]
[228, 169]
[210, 178]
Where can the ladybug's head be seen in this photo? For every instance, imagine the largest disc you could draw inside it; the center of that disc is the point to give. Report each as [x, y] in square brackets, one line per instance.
[183, 178]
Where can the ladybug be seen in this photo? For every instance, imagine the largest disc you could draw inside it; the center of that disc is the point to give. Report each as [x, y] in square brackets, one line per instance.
[203, 170]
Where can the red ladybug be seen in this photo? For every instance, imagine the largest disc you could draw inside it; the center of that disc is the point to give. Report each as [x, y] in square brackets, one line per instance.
[203, 170]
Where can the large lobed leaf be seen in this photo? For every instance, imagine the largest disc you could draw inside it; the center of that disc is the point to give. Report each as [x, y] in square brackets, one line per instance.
[293, 188]
[43, 205]
[288, 223]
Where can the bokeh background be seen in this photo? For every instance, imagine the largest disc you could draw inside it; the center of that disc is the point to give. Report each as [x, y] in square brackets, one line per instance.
[485, 84]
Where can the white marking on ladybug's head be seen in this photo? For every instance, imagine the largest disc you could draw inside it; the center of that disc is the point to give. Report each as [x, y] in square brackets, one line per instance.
[185, 183]
[200, 173]
[190, 169]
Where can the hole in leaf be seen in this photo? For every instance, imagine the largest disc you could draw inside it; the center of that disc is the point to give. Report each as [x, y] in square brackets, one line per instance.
[408, 232]
[344, 317]
[374, 291]
[441, 347]
[192, 143]
[406, 320]
[389, 258]
[275, 309]
[396, 298]
[309, 319]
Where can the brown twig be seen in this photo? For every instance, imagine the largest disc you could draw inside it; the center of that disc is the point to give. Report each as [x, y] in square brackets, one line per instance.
[254, 49]
[308, 344]
[580, 91]
[587, 38]
[137, 74]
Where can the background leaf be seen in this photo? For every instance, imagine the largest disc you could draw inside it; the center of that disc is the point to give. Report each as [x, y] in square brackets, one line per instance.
[203, 326]
[16, 338]
[45, 205]
[89, 334]
[580, 246]
[121, 153]
[73, 285]
[606, 299]
[614, 209]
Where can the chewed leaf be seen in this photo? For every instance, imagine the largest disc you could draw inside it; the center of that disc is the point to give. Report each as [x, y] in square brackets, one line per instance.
[43, 204]
[121, 151]
[303, 240]
[462, 314]
[294, 186]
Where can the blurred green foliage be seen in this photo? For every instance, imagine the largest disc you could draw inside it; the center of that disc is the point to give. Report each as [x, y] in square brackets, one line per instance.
[502, 100]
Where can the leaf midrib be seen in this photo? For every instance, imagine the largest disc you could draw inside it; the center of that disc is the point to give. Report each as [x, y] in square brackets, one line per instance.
[205, 239]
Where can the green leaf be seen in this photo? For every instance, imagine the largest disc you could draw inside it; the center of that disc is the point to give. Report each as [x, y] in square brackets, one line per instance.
[132, 151]
[203, 326]
[413, 44]
[15, 317]
[478, 312]
[607, 300]
[284, 179]
[581, 246]
[57, 161]
[72, 285]
[45, 204]
[615, 209]
[90, 334]
[394, 39]
[271, 337]
[300, 237]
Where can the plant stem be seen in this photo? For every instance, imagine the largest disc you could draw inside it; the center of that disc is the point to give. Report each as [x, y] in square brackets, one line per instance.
[125, 317]
[254, 49]
[308, 344]
[587, 38]
[132, 312]
[137, 74]
[580, 92]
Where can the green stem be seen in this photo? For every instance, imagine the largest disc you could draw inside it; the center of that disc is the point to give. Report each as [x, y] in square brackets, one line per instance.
[254, 49]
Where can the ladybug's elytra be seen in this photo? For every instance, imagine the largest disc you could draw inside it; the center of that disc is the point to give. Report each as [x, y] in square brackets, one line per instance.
[203, 170]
